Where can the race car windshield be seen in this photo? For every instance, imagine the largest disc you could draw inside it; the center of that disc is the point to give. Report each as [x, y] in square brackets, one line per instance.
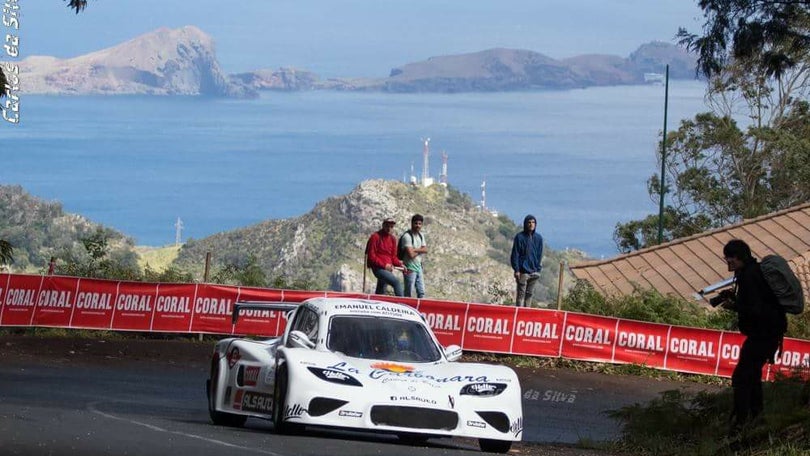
[379, 338]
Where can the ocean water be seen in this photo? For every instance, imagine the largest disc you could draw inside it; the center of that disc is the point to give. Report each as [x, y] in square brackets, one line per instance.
[578, 160]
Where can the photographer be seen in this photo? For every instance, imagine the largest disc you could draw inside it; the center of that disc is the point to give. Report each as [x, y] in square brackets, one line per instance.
[763, 322]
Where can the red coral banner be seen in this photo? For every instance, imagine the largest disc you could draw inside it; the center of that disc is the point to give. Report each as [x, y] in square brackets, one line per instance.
[72, 302]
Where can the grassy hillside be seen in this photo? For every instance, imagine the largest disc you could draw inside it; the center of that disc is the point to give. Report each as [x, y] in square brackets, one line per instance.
[156, 258]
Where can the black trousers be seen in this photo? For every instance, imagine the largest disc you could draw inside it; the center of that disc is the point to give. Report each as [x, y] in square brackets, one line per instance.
[747, 378]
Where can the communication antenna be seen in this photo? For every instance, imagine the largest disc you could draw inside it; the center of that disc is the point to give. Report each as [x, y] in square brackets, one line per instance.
[443, 176]
[484, 195]
[178, 226]
[425, 154]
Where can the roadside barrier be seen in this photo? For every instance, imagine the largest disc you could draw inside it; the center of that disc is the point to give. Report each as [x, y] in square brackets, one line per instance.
[79, 303]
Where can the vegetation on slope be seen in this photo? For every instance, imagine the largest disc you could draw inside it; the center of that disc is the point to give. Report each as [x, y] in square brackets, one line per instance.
[39, 230]
[698, 424]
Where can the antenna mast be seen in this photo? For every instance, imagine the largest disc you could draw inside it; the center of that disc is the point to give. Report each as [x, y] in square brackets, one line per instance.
[425, 154]
[178, 225]
[484, 195]
[443, 176]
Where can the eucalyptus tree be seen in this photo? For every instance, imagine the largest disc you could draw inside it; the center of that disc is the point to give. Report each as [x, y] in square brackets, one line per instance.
[748, 156]
[769, 33]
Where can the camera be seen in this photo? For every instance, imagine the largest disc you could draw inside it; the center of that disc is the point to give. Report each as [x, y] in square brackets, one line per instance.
[723, 297]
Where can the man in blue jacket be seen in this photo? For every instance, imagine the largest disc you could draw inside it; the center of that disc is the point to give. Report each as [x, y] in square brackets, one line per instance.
[527, 254]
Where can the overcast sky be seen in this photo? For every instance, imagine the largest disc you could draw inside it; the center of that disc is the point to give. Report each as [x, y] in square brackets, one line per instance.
[360, 37]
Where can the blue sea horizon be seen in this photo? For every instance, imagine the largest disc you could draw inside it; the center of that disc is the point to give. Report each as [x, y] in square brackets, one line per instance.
[578, 160]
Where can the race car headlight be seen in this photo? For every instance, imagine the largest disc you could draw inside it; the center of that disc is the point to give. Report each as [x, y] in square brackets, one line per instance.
[334, 376]
[483, 389]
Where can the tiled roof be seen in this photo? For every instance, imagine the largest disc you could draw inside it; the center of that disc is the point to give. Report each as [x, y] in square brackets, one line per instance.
[683, 266]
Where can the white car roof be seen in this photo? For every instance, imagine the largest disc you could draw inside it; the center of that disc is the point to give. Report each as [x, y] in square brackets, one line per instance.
[363, 307]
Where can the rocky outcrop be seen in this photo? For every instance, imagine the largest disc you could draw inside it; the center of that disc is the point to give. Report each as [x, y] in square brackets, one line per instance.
[286, 79]
[164, 62]
[493, 70]
[486, 71]
[514, 69]
[468, 257]
[653, 57]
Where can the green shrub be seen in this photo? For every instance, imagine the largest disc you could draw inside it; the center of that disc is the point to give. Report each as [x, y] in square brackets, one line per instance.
[646, 305]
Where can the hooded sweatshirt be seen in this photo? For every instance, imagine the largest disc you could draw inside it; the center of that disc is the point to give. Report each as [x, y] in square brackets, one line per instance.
[527, 249]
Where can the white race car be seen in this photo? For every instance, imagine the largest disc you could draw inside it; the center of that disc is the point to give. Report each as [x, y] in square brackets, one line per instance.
[362, 365]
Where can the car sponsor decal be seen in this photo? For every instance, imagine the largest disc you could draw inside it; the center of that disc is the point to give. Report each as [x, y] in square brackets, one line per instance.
[233, 357]
[421, 400]
[376, 309]
[392, 367]
[378, 374]
[237, 400]
[452, 401]
[390, 372]
[483, 389]
[294, 411]
[351, 414]
[476, 424]
[248, 375]
[253, 402]
[516, 427]
[334, 376]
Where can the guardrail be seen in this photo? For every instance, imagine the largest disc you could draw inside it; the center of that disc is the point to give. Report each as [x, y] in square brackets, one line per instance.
[79, 303]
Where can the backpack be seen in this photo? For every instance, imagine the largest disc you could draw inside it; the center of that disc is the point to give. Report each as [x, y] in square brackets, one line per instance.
[402, 252]
[784, 283]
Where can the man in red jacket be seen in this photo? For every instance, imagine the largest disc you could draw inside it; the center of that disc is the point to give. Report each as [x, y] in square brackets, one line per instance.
[381, 254]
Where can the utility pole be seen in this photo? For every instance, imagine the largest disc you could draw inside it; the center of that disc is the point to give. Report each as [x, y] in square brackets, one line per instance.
[663, 162]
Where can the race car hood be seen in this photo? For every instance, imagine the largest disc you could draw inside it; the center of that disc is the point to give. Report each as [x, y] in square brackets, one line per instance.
[397, 378]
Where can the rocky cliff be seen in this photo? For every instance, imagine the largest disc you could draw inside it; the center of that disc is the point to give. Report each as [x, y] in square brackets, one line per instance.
[468, 257]
[164, 62]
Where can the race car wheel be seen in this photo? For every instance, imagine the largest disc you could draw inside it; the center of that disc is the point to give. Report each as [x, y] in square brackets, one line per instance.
[494, 446]
[217, 417]
[280, 403]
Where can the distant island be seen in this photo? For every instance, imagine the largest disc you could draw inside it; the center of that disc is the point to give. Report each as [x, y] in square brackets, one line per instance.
[183, 62]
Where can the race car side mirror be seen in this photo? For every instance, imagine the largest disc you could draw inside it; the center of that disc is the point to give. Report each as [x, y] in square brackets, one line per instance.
[298, 339]
[452, 353]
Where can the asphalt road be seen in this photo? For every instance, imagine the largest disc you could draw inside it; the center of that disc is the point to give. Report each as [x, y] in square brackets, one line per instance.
[135, 403]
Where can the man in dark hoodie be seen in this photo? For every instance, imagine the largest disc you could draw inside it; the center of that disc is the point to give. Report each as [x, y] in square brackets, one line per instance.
[527, 254]
[761, 319]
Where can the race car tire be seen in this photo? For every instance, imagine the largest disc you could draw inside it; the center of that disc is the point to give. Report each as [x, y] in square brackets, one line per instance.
[217, 417]
[280, 403]
[494, 446]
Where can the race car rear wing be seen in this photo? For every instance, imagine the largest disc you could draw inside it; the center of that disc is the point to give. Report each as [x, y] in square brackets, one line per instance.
[261, 305]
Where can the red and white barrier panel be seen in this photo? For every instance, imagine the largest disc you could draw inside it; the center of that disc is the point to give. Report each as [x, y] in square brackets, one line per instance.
[71, 302]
